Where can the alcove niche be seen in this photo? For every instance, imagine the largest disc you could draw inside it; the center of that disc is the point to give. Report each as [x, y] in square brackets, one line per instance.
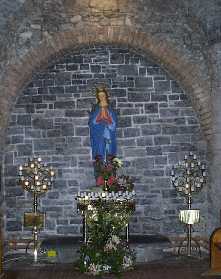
[157, 125]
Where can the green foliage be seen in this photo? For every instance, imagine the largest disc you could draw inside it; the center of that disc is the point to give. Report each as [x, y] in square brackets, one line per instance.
[105, 250]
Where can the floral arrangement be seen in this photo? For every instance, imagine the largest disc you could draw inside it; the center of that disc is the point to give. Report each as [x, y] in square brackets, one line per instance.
[107, 178]
[105, 250]
[107, 214]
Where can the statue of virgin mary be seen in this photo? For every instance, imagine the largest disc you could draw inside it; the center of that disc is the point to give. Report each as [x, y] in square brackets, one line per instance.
[102, 124]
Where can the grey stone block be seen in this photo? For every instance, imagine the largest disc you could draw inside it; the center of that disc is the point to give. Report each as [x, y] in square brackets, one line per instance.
[85, 103]
[145, 82]
[49, 98]
[81, 131]
[117, 58]
[151, 108]
[24, 149]
[140, 119]
[76, 59]
[72, 67]
[68, 129]
[76, 113]
[14, 191]
[170, 130]
[42, 123]
[160, 140]
[84, 67]
[175, 87]
[13, 226]
[151, 130]
[54, 133]
[17, 139]
[154, 172]
[70, 229]
[162, 86]
[134, 152]
[189, 129]
[158, 97]
[95, 68]
[138, 97]
[56, 90]
[24, 120]
[128, 70]
[144, 141]
[169, 193]
[36, 99]
[127, 142]
[71, 89]
[153, 150]
[32, 133]
[43, 144]
[124, 122]
[132, 132]
[64, 105]
[118, 92]
[169, 112]
[160, 160]
[144, 163]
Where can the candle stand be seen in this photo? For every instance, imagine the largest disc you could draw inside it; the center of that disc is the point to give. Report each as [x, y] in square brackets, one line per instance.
[188, 177]
[36, 178]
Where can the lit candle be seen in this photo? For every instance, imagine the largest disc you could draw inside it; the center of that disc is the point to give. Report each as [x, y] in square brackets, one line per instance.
[32, 165]
[35, 255]
[103, 194]
[20, 167]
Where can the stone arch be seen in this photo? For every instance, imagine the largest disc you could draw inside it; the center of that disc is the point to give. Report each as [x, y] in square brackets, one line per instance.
[167, 55]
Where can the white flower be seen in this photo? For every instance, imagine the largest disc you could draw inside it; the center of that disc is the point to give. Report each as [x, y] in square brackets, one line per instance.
[118, 162]
[94, 269]
[115, 239]
[110, 246]
[127, 261]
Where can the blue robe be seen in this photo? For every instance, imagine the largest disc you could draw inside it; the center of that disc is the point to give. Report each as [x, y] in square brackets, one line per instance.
[102, 134]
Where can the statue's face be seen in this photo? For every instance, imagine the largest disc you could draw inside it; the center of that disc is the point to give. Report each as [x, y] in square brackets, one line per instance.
[102, 96]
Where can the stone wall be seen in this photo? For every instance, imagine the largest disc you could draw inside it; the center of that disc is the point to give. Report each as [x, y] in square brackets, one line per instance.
[156, 127]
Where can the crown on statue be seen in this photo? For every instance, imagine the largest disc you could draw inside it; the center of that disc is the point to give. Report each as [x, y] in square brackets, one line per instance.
[101, 87]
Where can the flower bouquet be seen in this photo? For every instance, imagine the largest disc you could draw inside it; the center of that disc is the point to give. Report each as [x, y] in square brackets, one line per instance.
[107, 178]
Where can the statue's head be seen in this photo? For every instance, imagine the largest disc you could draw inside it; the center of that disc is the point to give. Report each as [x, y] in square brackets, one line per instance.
[102, 95]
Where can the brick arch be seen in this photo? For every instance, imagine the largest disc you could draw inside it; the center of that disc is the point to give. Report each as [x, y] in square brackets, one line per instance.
[168, 56]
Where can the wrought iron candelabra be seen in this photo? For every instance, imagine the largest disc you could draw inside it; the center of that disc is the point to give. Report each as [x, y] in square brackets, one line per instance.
[188, 177]
[35, 177]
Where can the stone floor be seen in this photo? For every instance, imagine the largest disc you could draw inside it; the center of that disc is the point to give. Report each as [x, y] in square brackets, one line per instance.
[154, 261]
[172, 267]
